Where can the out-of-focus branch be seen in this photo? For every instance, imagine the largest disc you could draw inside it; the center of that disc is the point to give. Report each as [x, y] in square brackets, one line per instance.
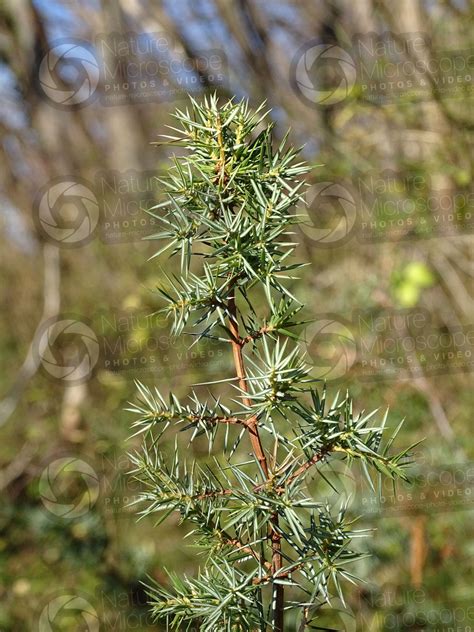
[51, 306]
[17, 466]
[422, 384]
[408, 17]
[453, 283]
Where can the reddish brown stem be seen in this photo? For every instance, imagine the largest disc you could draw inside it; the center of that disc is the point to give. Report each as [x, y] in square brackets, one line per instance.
[252, 426]
[312, 461]
[240, 370]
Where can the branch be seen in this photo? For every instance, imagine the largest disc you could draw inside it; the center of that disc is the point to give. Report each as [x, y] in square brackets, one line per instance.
[319, 456]
[255, 335]
[248, 549]
[273, 532]
[219, 420]
[241, 375]
[51, 305]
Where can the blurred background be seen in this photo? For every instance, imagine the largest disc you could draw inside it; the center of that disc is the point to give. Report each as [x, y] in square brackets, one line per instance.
[380, 95]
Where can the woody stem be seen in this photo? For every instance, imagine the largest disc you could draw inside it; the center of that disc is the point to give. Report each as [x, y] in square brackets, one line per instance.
[252, 426]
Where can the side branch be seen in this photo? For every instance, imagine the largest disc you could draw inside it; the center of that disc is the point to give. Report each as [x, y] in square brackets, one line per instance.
[220, 420]
[255, 335]
[316, 458]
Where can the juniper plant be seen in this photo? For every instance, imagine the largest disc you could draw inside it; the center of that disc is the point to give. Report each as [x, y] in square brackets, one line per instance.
[269, 546]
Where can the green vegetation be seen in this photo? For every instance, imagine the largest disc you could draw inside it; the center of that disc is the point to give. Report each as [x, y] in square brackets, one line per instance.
[269, 546]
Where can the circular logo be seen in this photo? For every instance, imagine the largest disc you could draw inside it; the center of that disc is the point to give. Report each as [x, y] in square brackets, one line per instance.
[338, 483]
[67, 212]
[68, 350]
[69, 74]
[331, 348]
[68, 488]
[75, 613]
[335, 615]
[331, 204]
[323, 74]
